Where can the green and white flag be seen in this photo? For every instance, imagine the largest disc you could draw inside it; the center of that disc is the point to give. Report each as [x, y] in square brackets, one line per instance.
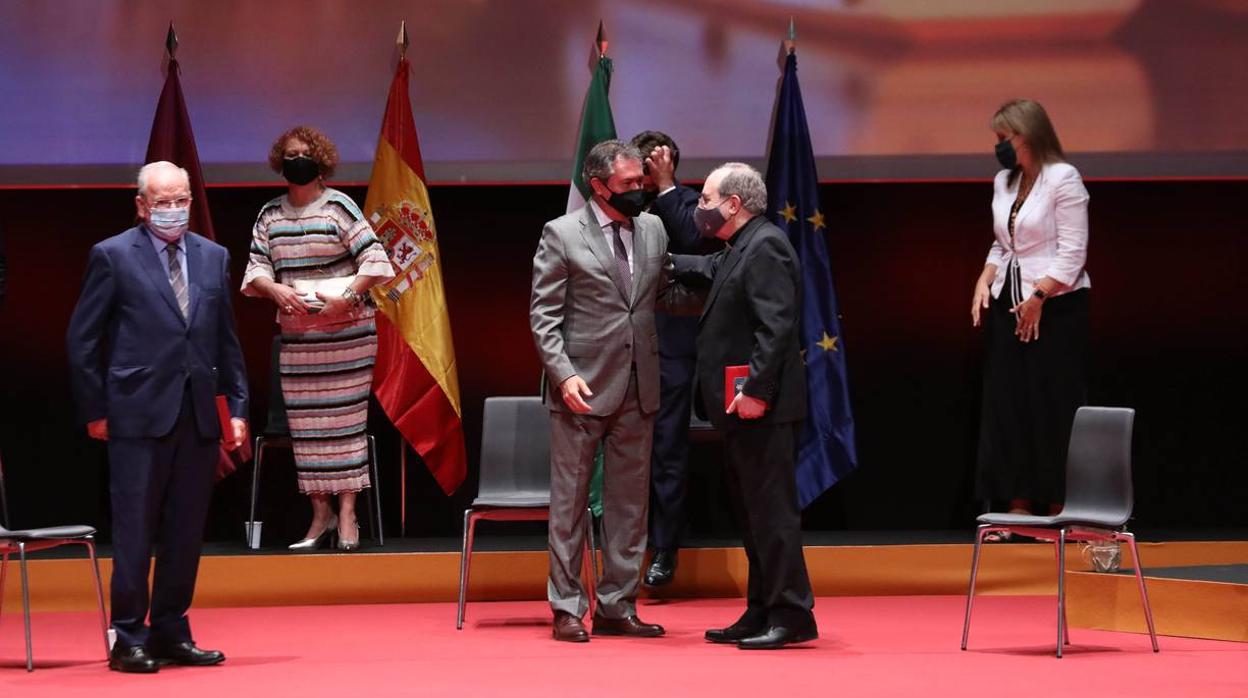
[597, 124]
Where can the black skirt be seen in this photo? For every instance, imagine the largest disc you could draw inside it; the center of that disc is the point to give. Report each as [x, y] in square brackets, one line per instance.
[1031, 393]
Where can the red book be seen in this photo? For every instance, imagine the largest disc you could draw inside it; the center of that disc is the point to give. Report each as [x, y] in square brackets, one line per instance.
[734, 381]
[223, 414]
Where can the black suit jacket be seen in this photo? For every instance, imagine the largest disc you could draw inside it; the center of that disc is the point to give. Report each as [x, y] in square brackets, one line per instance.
[133, 355]
[678, 334]
[751, 318]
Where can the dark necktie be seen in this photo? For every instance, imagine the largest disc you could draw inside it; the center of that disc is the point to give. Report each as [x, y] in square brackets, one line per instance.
[177, 280]
[621, 255]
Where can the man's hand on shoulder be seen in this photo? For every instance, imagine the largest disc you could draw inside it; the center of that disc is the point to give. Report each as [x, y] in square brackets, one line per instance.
[572, 390]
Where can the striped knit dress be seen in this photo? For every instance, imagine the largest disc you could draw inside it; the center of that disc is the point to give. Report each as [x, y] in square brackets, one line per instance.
[326, 363]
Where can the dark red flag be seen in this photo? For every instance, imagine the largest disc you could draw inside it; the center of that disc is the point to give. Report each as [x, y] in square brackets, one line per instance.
[173, 141]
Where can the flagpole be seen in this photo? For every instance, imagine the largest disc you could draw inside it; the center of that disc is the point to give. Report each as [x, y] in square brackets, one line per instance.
[402, 42]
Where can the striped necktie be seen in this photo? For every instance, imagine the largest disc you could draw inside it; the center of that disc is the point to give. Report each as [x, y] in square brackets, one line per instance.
[177, 280]
[621, 255]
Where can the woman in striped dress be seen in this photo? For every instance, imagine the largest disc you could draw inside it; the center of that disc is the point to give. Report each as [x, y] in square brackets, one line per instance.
[329, 342]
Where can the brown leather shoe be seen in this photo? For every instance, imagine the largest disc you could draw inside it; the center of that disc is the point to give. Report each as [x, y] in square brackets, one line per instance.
[630, 627]
[569, 628]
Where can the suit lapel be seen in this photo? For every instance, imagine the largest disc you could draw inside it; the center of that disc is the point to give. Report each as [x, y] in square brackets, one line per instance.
[640, 255]
[730, 263]
[597, 242]
[156, 269]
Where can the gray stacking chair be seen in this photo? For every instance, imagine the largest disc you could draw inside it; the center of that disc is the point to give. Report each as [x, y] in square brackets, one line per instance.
[1098, 505]
[4, 498]
[30, 540]
[515, 477]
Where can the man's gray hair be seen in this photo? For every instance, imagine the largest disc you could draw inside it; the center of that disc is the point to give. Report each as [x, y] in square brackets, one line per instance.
[744, 182]
[600, 160]
[145, 173]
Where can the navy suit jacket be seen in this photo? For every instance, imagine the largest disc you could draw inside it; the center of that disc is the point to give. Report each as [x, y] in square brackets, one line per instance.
[678, 334]
[133, 355]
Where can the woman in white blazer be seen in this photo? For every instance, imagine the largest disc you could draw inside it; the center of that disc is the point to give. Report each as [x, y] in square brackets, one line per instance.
[1033, 298]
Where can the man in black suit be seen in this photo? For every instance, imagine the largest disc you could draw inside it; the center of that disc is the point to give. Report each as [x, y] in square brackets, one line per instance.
[750, 318]
[151, 343]
[673, 203]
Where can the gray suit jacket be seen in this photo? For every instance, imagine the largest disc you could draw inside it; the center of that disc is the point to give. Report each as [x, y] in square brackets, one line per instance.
[585, 322]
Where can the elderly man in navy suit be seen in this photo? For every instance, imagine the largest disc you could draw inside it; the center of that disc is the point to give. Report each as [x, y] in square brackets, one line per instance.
[151, 343]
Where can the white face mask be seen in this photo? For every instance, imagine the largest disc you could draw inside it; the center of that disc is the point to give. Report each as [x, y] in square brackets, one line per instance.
[169, 224]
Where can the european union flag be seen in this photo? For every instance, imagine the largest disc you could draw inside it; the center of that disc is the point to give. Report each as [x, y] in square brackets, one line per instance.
[826, 451]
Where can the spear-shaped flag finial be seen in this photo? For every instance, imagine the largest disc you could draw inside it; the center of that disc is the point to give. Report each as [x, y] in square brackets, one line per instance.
[171, 42]
[790, 39]
[403, 41]
[601, 40]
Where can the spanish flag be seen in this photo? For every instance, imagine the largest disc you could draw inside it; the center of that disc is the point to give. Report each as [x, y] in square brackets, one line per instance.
[415, 379]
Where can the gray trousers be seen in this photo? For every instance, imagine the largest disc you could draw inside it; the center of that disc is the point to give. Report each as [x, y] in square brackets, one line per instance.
[625, 499]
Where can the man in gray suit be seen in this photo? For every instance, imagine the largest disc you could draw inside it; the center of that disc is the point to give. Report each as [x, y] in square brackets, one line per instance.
[596, 277]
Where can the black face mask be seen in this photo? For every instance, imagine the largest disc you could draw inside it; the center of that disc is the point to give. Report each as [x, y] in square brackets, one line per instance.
[629, 203]
[1006, 154]
[649, 198]
[300, 170]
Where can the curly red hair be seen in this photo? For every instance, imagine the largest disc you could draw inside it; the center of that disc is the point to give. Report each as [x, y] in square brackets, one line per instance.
[320, 149]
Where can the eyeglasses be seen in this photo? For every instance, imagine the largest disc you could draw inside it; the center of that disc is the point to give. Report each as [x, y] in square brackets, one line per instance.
[170, 203]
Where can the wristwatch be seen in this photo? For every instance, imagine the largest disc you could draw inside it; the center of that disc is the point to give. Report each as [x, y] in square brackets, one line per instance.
[1039, 293]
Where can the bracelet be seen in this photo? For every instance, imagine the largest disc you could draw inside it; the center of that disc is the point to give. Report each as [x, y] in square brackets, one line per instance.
[352, 297]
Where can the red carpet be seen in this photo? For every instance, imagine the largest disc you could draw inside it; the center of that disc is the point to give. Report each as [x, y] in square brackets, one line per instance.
[880, 646]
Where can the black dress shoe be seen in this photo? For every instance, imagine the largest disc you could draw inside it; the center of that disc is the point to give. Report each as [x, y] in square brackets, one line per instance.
[733, 633]
[662, 568]
[132, 660]
[631, 626]
[186, 654]
[569, 628]
[777, 636]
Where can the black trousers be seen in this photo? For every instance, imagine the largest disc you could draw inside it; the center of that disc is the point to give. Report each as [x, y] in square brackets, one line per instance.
[761, 468]
[160, 490]
[1031, 393]
[669, 462]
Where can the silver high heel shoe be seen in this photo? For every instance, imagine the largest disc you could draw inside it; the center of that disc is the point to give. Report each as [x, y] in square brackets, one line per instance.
[349, 545]
[316, 541]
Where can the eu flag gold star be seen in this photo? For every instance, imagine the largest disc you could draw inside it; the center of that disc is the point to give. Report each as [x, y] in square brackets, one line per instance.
[828, 343]
[817, 220]
[789, 212]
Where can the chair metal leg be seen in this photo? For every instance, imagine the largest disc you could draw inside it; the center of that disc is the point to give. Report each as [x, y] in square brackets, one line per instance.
[1139, 577]
[970, 591]
[99, 591]
[1061, 588]
[1060, 571]
[30, 654]
[378, 532]
[465, 556]
[4, 570]
[255, 487]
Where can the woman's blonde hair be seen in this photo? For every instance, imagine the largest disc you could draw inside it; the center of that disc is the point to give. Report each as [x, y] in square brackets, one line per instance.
[1029, 120]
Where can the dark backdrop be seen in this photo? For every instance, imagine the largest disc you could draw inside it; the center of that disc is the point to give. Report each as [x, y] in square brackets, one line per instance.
[1168, 321]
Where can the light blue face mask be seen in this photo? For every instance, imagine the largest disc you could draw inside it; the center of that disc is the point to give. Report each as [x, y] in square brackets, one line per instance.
[169, 224]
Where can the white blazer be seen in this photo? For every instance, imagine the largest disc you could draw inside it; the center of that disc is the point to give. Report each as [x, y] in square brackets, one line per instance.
[1050, 232]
